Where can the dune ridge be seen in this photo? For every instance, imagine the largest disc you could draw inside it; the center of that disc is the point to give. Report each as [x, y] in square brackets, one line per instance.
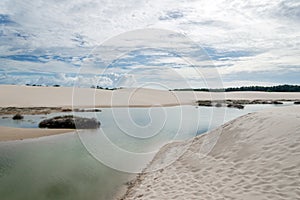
[28, 96]
[255, 157]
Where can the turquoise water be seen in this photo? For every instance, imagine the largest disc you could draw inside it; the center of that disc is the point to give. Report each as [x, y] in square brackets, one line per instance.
[62, 166]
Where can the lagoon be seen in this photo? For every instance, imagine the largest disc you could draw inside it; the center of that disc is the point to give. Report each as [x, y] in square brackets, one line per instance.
[78, 166]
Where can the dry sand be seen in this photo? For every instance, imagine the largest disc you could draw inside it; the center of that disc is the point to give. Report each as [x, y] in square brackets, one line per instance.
[8, 133]
[27, 96]
[257, 156]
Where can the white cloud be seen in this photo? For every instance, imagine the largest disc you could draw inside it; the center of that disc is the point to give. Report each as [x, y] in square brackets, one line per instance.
[269, 30]
[249, 83]
[270, 61]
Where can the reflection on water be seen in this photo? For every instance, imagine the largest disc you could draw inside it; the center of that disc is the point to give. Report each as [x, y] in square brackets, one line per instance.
[59, 167]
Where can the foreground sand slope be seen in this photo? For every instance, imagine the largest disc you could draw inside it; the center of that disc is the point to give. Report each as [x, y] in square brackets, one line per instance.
[27, 96]
[257, 156]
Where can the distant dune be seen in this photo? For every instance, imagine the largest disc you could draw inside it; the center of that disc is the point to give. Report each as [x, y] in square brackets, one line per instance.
[255, 157]
[28, 96]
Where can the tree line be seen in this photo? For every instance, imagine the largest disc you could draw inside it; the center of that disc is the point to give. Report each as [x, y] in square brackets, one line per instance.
[278, 88]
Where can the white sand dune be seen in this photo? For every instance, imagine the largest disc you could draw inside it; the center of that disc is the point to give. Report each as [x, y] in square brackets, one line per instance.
[27, 96]
[257, 156]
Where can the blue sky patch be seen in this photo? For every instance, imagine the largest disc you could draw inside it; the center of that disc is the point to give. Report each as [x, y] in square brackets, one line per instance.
[41, 58]
[214, 54]
[28, 58]
[6, 20]
[175, 14]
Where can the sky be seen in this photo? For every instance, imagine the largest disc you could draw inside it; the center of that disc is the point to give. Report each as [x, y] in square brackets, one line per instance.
[157, 44]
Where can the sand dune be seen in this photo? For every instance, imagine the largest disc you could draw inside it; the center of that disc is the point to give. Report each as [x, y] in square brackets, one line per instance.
[255, 157]
[27, 96]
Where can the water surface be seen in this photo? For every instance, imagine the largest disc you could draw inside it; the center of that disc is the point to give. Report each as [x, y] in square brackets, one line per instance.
[61, 167]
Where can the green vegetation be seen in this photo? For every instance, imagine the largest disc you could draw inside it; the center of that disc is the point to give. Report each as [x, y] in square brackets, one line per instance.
[278, 88]
[102, 88]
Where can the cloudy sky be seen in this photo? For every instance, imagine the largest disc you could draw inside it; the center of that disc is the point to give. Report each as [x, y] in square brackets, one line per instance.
[150, 43]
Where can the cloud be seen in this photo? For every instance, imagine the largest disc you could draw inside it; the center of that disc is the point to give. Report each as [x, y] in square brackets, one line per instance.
[111, 80]
[287, 10]
[127, 80]
[59, 37]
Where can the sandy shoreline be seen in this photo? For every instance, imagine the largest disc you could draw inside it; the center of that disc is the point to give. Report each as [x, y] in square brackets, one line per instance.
[255, 157]
[9, 134]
